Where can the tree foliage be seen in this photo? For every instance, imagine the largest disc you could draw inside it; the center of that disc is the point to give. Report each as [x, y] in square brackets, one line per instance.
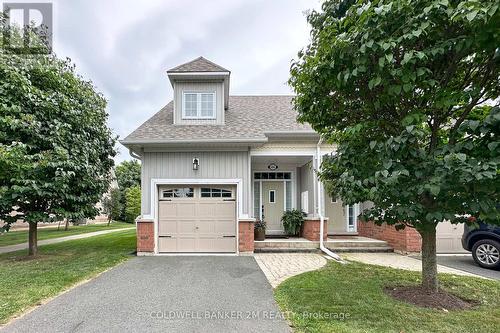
[112, 204]
[132, 203]
[55, 146]
[128, 174]
[406, 89]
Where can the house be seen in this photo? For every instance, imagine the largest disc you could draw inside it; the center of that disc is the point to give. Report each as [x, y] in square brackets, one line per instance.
[213, 163]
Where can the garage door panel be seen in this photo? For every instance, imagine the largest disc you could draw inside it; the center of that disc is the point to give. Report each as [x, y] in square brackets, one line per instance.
[166, 228]
[205, 209]
[220, 245]
[448, 238]
[167, 210]
[167, 244]
[186, 209]
[226, 227]
[206, 226]
[225, 209]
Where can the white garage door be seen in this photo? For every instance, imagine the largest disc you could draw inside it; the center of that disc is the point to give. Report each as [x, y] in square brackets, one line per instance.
[448, 238]
[197, 219]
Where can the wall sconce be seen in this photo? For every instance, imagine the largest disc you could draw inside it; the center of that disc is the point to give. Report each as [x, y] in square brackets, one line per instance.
[196, 163]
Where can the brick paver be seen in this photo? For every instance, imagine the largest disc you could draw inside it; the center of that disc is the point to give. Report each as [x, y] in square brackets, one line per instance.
[280, 266]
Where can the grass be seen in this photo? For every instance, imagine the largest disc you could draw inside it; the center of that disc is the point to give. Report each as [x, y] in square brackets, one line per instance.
[21, 236]
[357, 290]
[26, 282]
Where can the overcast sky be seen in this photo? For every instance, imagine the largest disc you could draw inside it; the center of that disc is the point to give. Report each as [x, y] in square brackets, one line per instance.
[125, 47]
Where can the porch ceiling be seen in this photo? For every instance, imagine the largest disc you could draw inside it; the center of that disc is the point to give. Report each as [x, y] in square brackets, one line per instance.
[299, 160]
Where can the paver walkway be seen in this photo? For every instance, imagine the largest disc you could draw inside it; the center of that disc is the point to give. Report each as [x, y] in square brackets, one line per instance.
[395, 260]
[280, 266]
[22, 246]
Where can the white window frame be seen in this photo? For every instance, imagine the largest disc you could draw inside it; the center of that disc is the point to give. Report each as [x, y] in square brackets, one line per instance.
[198, 104]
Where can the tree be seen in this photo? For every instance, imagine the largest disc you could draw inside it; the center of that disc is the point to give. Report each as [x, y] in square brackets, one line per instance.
[55, 146]
[403, 88]
[112, 205]
[128, 174]
[132, 203]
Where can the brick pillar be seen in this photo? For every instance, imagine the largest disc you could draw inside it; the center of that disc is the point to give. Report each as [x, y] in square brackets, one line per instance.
[145, 236]
[311, 229]
[246, 236]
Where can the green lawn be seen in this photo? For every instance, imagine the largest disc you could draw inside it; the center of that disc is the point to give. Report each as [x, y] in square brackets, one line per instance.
[26, 282]
[357, 289]
[16, 237]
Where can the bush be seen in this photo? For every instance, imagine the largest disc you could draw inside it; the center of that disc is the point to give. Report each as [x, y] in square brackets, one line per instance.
[260, 225]
[132, 203]
[292, 221]
[111, 204]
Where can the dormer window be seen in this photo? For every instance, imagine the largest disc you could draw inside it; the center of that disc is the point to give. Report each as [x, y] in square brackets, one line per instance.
[198, 105]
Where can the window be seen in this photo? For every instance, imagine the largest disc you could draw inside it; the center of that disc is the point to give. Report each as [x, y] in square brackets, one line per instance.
[273, 175]
[185, 192]
[208, 192]
[198, 105]
[333, 199]
[272, 196]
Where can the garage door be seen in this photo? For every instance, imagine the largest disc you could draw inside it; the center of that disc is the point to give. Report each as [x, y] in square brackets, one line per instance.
[197, 219]
[448, 238]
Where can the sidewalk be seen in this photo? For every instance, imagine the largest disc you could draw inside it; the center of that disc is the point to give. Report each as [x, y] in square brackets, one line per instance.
[395, 260]
[22, 246]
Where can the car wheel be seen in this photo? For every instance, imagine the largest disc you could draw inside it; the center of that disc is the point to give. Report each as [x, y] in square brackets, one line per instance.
[486, 253]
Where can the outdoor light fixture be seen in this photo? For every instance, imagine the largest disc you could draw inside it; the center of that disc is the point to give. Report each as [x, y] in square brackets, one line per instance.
[196, 163]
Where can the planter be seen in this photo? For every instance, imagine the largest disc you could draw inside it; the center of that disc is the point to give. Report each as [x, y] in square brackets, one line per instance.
[260, 234]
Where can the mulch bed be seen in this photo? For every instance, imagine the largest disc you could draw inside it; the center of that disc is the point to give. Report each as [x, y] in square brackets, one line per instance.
[441, 300]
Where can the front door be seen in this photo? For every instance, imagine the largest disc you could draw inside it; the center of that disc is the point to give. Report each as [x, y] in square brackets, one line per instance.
[273, 205]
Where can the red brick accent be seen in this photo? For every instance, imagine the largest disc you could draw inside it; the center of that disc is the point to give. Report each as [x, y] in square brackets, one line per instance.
[145, 236]
[310, 229]
[245, 233]
[407, 240]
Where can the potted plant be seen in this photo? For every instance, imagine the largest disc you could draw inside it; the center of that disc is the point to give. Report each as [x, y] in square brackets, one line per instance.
[260, 230]
[292, 221]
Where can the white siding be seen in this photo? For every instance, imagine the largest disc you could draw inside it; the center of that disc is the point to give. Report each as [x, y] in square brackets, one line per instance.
[179, 165]
[180, 87]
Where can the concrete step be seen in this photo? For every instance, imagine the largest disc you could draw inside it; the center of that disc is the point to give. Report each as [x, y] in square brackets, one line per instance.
[364, 243]
[358, 249]
[286, 250]
[286, 244]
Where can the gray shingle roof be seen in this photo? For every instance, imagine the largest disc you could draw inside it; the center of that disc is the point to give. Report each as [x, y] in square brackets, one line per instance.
[198, 65]
[248, 118]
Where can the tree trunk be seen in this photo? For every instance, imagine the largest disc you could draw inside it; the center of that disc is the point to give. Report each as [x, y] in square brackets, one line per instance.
[32, 239]
[429, 262]
[109, 219]
[66, 226]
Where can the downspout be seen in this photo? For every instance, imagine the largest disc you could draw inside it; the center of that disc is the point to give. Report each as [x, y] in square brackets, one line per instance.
[322, 247]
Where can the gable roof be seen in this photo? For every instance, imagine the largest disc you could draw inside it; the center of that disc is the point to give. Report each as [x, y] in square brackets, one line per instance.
[247, 119]
[199, 64]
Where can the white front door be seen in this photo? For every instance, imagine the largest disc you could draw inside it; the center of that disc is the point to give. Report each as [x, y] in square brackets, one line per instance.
[273, 206]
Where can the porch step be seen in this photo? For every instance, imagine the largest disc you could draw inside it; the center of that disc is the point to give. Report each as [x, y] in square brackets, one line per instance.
[336, 244]
[359, 249]
[285, 250]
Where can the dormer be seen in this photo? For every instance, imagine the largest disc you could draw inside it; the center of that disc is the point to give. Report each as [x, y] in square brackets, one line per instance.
[201, 92]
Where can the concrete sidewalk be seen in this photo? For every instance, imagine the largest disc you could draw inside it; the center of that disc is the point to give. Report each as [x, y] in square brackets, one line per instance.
[395, 260]
[22, 246]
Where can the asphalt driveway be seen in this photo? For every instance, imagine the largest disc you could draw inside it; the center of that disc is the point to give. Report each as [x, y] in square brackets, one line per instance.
[168, 294]
[466, 263]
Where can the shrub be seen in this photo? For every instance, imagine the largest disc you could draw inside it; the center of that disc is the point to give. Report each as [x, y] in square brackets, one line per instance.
[260, 225]
[292, 221]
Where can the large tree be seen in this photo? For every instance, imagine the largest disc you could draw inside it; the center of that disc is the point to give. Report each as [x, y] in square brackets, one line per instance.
[55, 146]
[405, 89]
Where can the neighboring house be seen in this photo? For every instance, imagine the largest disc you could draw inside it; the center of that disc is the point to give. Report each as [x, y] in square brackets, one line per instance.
[213, 163]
